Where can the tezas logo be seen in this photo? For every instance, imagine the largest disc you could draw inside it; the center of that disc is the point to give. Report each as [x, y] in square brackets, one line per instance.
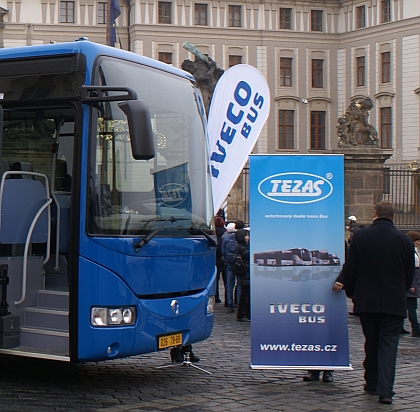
[296, 187]
[173, 194]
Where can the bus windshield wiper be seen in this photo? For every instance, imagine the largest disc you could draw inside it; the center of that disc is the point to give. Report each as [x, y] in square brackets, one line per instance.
[140, 243]
[212, 242]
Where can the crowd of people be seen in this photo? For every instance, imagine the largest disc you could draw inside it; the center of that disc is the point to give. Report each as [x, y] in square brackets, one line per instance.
[233, 241]
[381, 274]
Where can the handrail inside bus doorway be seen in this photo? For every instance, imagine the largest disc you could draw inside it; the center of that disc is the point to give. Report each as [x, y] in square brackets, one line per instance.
[32, 225]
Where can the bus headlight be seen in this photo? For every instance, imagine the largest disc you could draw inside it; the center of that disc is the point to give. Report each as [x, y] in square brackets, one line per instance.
[210, 304]
[106, 316]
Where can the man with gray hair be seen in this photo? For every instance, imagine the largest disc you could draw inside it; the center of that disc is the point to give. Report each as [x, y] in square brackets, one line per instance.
[377, 274]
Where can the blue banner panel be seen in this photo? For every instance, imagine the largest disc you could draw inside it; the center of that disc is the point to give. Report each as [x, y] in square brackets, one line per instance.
[297, 249]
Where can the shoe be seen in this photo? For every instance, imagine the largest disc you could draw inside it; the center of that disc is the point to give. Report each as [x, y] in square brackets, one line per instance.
[328, 376]
[194, 358]
[243, 320]
[176, 355]
[217, 300]
[404, 332]
[415, 334]
[385, 401]
[230, 309]
[311, 376]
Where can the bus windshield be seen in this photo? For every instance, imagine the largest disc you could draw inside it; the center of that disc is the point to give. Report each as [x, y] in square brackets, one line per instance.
[133, 197]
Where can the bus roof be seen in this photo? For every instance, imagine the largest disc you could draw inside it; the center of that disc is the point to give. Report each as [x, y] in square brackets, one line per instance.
[91, 51]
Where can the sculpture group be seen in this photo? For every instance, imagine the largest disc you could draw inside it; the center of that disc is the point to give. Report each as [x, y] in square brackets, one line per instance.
[354, 128]
[205, 71]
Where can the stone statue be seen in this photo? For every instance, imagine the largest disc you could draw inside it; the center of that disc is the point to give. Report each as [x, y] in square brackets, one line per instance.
[354, 128]
[205, 72]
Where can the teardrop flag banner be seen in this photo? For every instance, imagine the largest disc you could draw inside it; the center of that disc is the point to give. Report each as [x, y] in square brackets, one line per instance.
[239, 109]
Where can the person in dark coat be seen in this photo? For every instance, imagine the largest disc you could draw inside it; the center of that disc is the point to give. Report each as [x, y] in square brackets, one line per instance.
[244, 305]
[414, 291]
[220, 263]
[377, 274]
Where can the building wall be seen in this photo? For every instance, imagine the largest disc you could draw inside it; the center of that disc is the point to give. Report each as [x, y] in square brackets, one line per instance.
[261, 42]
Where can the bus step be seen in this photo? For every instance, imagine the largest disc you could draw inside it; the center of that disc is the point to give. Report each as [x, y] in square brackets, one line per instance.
[47, 318]
[43, 338]
[53, 299]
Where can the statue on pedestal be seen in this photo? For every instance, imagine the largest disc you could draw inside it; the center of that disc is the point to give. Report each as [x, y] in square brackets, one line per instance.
[205, 72]
[354, 128]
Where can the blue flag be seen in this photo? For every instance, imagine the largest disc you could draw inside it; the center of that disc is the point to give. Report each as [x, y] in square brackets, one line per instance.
[114, 12]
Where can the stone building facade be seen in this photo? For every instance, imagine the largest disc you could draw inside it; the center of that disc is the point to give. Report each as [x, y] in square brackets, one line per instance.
[317, 57]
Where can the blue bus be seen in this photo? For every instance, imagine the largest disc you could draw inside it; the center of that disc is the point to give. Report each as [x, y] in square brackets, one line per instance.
[107, 244]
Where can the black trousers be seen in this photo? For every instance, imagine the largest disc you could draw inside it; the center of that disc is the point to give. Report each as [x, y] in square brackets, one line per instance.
[244, 305]
[382, 334]
[412, 314]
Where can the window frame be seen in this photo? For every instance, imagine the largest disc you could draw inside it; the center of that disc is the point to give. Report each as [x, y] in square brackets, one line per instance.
[385, 11]
[67, 15]
[164, 12]
[233, 11]
[386, 127]
[361, 17]
[234, 59]
[361, 71]
[162, 57]
[199, 8]
[318, 130]
[317, 73]
[286, 129]
[102, 9]
[317, 20]
[386, 67]
[286, 72]
[285, 18]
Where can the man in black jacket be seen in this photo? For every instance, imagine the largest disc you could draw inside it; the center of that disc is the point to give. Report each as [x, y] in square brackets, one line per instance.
[377, 274]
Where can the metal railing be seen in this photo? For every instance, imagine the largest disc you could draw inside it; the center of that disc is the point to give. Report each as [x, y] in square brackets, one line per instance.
[402, 189]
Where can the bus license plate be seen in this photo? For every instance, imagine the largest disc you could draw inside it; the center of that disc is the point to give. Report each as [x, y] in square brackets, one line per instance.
[169, 340]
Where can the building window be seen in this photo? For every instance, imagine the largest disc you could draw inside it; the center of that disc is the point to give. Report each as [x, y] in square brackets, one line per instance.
[317, 73]
[316, 20]
[165, 57]
[235, 16]
[317, 130]
[66, 11]
[102, 12]
[386, 67]
[360, 71]
[164, 12]
[286, 129]
[200, 12]
[285, 18]
[234, 60]
[386, 10]
[386, 128]
[286, 71]
[361, 17]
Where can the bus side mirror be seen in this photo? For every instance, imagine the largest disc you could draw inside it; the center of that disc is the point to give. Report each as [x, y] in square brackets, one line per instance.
[140, 126]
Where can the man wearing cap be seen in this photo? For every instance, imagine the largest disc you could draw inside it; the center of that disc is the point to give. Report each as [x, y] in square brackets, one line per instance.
[352, 222]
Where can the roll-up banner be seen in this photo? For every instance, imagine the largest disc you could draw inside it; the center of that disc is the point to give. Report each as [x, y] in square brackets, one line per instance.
[297, 250]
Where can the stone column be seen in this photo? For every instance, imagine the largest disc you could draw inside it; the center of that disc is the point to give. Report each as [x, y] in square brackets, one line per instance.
[363, 180]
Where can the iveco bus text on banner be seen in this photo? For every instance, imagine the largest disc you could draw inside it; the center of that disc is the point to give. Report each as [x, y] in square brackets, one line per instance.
[297, 249]
[238, 111]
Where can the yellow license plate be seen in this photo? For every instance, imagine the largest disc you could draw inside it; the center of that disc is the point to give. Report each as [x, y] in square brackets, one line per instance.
[169, 340]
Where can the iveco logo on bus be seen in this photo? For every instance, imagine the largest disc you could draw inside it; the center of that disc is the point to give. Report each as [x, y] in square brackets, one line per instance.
[296, 187]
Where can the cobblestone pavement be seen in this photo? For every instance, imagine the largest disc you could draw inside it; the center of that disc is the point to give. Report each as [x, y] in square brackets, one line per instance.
[136, 384]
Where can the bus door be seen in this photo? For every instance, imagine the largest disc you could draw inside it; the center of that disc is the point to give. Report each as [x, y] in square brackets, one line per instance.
[35, 228]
